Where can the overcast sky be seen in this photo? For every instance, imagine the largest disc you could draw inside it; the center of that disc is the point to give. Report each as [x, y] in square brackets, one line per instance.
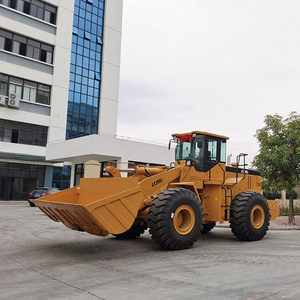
[218, 66]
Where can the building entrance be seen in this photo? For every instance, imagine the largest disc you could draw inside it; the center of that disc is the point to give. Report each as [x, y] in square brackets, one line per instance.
[17, 180]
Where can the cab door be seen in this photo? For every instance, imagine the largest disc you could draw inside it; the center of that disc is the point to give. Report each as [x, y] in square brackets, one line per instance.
[216, 158]
[212, 159]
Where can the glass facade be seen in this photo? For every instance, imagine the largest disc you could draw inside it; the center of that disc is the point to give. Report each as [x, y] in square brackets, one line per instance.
[17, 180]
[85, 69]
[61, 177]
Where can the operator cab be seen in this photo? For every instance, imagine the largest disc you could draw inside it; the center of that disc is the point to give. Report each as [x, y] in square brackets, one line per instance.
[200, 149]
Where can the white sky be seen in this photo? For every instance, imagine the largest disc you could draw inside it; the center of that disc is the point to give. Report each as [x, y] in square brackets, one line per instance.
[216, 65]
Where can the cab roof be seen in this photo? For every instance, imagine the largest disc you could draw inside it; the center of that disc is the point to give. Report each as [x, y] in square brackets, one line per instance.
[200, 132]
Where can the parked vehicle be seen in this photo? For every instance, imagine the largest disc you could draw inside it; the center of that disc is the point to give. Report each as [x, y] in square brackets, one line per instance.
[41, 192]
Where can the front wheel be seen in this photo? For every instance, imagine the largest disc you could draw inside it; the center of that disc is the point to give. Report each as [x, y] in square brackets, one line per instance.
[249, 216]
[175, 219]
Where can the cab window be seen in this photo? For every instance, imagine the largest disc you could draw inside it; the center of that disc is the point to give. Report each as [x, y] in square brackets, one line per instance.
[183, 150]
[212, 149]
[186, 149]
[223, 151]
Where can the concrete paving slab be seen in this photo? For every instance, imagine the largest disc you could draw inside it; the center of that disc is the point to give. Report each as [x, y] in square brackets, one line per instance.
[42, 259]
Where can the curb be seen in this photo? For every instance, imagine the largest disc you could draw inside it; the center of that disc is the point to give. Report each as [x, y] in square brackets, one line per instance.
[278, 227]
[285, 228]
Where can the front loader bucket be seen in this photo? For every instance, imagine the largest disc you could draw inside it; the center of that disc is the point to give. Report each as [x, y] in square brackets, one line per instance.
[98, 206]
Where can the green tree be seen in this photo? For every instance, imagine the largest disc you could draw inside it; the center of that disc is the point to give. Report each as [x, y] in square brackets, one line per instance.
[279, 155]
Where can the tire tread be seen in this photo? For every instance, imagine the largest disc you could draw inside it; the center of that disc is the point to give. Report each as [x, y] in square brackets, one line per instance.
[239, 216]
[158, 219]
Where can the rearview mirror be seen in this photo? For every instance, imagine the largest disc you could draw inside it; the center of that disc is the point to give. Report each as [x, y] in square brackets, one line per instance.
[170, 142]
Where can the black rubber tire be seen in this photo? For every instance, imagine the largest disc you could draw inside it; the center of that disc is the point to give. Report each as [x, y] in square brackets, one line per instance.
[208, 227]
[241, 210]
[138, 228]
[161, 222]
[31, 204]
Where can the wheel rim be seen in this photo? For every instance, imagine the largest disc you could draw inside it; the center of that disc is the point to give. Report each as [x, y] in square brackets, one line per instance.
[184, 219]
[257, 216]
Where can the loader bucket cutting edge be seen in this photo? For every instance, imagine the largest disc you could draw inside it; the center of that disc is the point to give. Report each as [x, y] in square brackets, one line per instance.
[98, 206]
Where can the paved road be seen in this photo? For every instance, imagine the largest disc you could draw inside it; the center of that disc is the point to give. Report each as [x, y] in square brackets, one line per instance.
[41, 259]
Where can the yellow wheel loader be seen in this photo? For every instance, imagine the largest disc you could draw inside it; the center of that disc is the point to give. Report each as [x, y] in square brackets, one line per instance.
[177, 203]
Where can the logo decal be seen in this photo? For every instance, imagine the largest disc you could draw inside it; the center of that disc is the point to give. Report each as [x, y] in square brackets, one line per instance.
[157, 182]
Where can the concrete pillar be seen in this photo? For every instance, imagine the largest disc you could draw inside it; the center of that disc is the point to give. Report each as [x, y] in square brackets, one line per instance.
[123, 165]
[48, 176]
[92, 169]
[72, 174]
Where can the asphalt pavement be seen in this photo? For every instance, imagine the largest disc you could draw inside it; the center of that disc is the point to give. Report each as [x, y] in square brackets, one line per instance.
[42, 259]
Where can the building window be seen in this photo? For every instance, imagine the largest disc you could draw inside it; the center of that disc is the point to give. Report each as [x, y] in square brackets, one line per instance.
[19, 45]
[35, 8]
[22, 133]
[87, 35]
[61, 177]
[25, 46]
[105, 164]
[79, 173]
[29, 92]
[25, 89]
[3, 84]
[43, 94]
[5, 40]
[15, 86]
[85, 70]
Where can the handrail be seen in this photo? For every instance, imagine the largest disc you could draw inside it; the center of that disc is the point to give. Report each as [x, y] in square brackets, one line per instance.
[238, 158]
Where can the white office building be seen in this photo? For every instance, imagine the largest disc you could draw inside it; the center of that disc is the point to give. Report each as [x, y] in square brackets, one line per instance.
[59, 86]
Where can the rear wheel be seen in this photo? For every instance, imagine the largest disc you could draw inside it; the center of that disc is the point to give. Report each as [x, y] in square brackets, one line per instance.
[31, 203]
[175, 219]
[249, 216]
[208, 227]
[138, 228]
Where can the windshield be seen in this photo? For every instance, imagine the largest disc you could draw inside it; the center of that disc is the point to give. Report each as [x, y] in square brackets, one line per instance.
[189, 148]
[204, 151]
